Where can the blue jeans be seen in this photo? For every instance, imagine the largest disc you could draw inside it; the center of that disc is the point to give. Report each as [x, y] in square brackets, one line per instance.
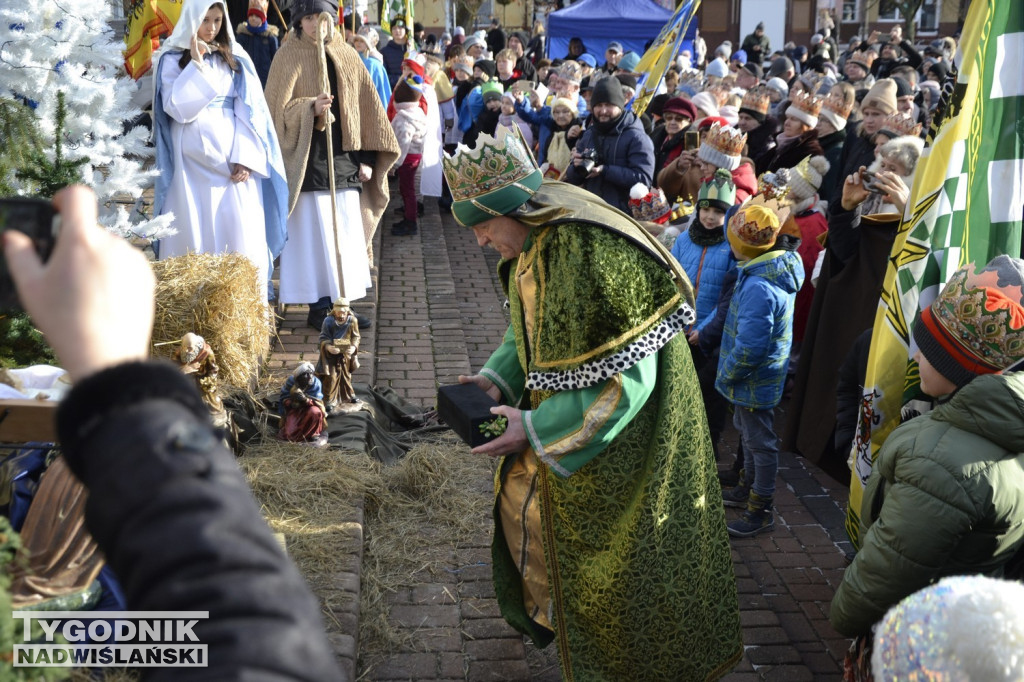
[760, 448]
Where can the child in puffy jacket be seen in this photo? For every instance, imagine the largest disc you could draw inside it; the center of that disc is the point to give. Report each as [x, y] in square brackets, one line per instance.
[410, 126]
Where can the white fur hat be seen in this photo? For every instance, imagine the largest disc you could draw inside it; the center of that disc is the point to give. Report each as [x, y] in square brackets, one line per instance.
[706, 102]
[961, 628]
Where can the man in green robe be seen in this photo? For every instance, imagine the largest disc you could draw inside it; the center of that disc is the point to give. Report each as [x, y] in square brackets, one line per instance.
[609, 527]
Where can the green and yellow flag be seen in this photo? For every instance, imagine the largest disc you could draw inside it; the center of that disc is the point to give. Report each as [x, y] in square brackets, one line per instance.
[658, 57]
[965, 207]
[147, 21]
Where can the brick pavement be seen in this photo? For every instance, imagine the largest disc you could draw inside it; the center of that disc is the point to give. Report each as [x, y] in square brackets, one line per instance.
[439, 313]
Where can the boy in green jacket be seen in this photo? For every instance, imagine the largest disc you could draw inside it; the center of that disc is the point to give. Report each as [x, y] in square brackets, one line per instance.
[946, 496]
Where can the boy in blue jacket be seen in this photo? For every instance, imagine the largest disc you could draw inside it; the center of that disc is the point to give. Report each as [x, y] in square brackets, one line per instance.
[755, 353]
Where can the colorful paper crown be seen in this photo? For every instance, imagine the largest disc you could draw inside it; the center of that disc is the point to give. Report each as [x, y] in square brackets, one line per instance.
[898, 125]
[723, 147]
[757, 100]
[754, 228]
[976, 325]
[718, 192]
[494, 179]
[649, 204]
[805, 108]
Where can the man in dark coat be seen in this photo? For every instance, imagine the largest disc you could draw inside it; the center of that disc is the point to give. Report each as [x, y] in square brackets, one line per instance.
[495, 37]
[614, 153]
[756, 45]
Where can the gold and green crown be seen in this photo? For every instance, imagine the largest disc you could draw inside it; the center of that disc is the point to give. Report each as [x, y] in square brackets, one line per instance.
[494, 179]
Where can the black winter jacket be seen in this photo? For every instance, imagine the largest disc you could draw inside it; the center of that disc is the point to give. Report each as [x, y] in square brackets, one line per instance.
[179, 527]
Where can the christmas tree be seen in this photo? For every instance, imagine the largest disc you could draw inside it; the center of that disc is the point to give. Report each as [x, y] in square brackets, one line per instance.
[48, 48]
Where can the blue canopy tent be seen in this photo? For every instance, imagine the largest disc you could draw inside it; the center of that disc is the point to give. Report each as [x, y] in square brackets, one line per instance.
[598, 22]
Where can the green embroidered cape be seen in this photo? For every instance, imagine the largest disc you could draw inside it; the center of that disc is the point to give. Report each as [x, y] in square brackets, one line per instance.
[638, 561]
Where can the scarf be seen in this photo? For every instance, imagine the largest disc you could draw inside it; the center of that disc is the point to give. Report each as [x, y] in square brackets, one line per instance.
[701, 236]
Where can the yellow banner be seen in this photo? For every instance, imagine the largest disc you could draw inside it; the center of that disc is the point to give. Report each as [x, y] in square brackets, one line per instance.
[147, 21]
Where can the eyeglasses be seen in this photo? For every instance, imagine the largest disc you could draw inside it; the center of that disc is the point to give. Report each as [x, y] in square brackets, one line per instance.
[674, 118]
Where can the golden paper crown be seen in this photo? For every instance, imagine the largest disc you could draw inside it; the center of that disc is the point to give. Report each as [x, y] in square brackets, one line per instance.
[693, 79]
[727, 140]
[757, 99]
[809, 104]
[901, 124]
[836, 105]
[863, 58]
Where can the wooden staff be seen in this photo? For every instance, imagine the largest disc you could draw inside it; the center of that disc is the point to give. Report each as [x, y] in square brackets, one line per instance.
[273, 3]
[325, 20]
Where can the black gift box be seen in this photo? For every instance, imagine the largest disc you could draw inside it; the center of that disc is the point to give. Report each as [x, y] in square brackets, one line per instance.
[464, 407]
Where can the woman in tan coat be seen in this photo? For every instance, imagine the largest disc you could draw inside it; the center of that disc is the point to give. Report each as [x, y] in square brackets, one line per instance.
[363, 148]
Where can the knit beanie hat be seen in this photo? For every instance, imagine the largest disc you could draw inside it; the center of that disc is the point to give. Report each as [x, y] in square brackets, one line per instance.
[681, 106]
[960, 628]
[487, 66]
[716, 68]
[805, 181]
[608, 91]
[409, 90]
[723, 147]
[629, 61]
[881, 96]
[566, 103]
[778, 85]
[628, 80]
[739, 56]
[718, 192]
[780, 65]
[491, 90]
[976, 324]
[940, 70]
[754, 228]
[705, 101]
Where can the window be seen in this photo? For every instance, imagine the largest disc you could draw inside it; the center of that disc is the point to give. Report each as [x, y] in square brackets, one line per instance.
[887, 11]
[850, 10]
[927, 18]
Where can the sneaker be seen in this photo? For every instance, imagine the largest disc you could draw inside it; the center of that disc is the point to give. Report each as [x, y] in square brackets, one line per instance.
[737, 497]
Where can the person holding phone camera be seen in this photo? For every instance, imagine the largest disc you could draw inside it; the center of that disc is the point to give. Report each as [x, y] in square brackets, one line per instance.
[221, 170]
[168, 505]
[614, 153]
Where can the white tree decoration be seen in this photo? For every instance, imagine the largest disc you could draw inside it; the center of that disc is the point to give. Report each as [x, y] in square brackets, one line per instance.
[48, 47]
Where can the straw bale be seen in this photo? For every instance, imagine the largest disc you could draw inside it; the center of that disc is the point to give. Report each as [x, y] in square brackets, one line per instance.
[219, 297]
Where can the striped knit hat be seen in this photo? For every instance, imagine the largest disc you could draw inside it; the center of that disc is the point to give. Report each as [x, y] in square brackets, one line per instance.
[976, 325]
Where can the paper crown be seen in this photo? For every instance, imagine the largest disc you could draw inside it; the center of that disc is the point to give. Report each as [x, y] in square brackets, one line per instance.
[754, 228]
[836, 111]
[976, 324]
[804, 107]
[898, 125]
[691, 79]
[495, 178]
[862, 59]
[723, 146]
[649, 204]
[757, 100]
[718, 192]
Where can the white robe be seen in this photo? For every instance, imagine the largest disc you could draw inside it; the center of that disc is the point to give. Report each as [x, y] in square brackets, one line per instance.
[430, 165]
[309, 269]
[210, 133]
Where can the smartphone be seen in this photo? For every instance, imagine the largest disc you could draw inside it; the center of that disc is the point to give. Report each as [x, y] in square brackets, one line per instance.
[37, 219]
[867, 178]
[691, 140]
